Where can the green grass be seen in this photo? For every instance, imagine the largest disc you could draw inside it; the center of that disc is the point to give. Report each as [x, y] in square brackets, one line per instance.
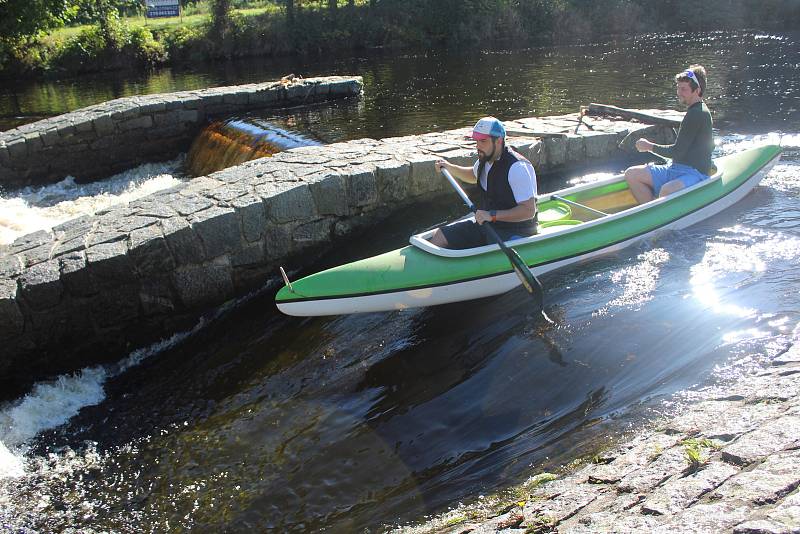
[63, 34]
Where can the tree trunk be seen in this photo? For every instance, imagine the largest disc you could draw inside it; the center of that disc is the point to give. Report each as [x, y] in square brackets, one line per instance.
[332, 5]
[290, 10]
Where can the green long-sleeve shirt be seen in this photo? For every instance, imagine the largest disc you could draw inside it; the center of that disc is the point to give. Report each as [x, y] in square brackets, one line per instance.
[695, 140]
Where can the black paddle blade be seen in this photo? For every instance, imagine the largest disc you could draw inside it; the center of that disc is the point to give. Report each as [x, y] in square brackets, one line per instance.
[529, 281]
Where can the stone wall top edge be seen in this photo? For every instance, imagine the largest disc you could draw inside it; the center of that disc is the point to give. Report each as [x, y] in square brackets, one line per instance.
[88, 113]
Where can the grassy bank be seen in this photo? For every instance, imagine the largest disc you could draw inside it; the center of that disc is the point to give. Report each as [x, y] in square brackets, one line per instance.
[314, 27]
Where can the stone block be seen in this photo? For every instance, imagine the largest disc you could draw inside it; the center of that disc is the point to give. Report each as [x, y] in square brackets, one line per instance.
[187, 205]
[136, 123]
[149, 251]
[218, 229]
[5, 157]
[393, 180]
[17, 149]
[330, 194]
[31, 241]
[238, 98]
[41, 286]
[598, 144]
[34, 142]
[109, 263]
[278, 242]
[12, 322]
[103, 125]
[11, 266]
[50, 137]
[115, 305]
[156, 296]
[576, 149]
[73, 228]
[424, 177]
[556, 152]
[84, 125]
[190, 115]
[293, 204]
[200, 286]
[251, 254]
[362, 188]
[312, 233]
[253, 216]
[166, 118]
[75, 275]
[186, 247]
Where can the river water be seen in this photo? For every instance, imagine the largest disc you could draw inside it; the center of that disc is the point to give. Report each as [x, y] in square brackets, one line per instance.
[255, 421]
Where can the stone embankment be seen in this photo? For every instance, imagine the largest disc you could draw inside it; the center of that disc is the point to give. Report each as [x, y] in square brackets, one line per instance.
[94, 288]
[107, 138]
[729, 463]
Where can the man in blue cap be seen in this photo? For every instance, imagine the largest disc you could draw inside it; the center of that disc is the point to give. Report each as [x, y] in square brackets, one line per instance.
[508, 191]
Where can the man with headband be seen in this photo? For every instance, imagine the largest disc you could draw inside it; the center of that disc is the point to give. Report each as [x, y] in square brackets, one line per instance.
[691, 152]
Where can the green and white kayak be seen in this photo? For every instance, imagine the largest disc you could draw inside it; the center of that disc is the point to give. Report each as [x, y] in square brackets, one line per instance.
[585, 221]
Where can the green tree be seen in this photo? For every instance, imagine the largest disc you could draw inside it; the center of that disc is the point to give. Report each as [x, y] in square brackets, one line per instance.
[23, 19]
[220, 18]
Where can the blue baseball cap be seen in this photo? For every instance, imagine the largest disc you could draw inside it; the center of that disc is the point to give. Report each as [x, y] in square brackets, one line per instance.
[488, 127]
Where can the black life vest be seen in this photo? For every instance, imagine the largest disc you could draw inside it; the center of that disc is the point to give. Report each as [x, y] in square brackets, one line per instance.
[498, 194]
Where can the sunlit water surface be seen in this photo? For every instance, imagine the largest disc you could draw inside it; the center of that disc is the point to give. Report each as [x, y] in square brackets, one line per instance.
[256, 421]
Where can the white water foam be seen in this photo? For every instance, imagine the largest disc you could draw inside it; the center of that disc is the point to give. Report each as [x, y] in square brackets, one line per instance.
[51, 404]
[40, 208]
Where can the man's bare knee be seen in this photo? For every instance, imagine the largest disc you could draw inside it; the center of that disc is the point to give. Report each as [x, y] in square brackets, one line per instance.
[670, 187]
[439, 239]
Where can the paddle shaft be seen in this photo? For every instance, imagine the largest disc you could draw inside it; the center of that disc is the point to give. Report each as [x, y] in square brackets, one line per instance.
[578, 205]
[529, 281]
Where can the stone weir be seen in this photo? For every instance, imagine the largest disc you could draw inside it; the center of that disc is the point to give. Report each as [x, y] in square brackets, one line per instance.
[107, 138]
[94, 288]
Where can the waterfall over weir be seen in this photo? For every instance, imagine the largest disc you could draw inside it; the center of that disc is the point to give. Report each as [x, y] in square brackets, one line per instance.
[224, 144]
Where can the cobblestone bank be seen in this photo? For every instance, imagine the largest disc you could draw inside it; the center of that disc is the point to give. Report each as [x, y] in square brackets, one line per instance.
[94, 288]
[729, 463]
[107, 138]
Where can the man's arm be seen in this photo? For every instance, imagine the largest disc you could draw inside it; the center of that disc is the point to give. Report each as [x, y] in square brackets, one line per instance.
[690, 126]
[464, 174]
[523, 211]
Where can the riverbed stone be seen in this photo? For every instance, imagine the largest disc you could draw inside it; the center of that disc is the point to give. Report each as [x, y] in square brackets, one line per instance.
[704, 518]
[679, 492]
[767, 482]
[218, 229]
[775, 435]
[656, 472]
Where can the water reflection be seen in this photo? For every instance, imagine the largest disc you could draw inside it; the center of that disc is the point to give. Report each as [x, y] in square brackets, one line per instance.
[752, 78]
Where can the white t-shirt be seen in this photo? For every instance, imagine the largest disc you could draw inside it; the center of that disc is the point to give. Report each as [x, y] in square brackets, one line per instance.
[521, 178]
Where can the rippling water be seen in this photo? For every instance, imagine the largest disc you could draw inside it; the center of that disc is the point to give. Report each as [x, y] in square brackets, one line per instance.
[257, 421]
